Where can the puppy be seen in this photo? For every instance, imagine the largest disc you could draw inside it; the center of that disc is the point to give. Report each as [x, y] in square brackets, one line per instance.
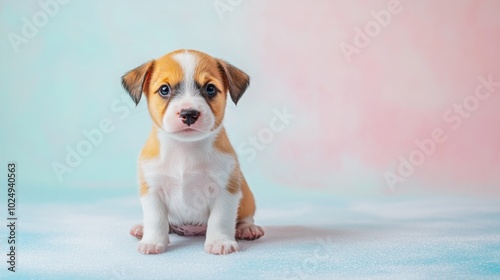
[189, 177]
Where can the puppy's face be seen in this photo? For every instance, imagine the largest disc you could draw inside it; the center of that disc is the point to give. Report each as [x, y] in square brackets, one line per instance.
[186, 92]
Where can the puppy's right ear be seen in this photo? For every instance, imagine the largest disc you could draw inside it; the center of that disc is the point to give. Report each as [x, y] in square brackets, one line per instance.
[136, 81]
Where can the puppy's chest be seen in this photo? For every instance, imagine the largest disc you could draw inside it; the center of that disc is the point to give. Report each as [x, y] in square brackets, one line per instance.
[189, 181]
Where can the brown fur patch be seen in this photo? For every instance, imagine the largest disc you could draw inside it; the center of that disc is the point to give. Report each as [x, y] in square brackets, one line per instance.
[222, 143]
[166, 71]
[152, 147]
[247, 202]
[206, 72]
[237, 181]
[149, 151]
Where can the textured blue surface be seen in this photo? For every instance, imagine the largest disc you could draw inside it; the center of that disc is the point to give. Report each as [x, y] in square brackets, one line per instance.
[307, 237]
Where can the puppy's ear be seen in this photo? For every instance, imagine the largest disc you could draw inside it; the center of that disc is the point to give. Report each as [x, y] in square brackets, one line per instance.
[136, 80]
[236, 80]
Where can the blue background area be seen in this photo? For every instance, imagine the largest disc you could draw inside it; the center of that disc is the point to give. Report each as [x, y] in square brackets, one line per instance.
[66, 80]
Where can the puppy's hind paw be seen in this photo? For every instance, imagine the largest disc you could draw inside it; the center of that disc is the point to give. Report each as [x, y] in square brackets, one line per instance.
[249, 231]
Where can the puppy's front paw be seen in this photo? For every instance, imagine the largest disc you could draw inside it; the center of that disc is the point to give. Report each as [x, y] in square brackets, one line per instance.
[152, 247]
[249, 231]
[221, 247]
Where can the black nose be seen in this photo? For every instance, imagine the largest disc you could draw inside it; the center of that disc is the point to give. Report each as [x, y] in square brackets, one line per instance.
[189, 116]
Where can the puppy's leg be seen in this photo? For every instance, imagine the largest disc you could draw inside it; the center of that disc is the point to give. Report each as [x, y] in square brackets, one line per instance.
[245, 228]
[155, 230]
[221, 224]
[136, 231]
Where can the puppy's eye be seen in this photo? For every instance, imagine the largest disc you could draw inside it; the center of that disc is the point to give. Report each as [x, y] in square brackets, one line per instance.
[164, 90]
[211, 90]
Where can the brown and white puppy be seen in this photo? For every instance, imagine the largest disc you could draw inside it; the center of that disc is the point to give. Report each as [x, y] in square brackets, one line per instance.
[189, 177]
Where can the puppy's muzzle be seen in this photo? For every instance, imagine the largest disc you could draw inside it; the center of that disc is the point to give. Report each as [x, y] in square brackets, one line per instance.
[189, 116]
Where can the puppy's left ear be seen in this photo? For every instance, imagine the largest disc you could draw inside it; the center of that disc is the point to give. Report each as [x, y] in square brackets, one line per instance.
[136, 80]
[236, 80]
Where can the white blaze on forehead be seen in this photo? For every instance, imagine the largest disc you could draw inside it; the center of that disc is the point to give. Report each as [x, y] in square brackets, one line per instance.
[187, 62]
[188, 97]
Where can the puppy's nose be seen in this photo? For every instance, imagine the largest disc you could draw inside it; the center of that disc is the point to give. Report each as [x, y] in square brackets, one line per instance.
[189, 116]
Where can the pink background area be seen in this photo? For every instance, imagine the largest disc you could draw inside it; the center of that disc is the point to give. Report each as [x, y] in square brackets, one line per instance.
[357, 118]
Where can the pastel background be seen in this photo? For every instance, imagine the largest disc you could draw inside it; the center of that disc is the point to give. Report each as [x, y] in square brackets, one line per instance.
[353, 117]
[352, 120]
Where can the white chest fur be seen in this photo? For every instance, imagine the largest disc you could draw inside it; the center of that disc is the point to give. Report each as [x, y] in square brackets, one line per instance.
[188, 177]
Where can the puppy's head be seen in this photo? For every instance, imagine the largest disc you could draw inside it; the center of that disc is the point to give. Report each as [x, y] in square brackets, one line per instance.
[186, 91]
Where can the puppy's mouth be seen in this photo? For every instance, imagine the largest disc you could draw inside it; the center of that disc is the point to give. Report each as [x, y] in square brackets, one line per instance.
[187, 130]
[188, 134]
